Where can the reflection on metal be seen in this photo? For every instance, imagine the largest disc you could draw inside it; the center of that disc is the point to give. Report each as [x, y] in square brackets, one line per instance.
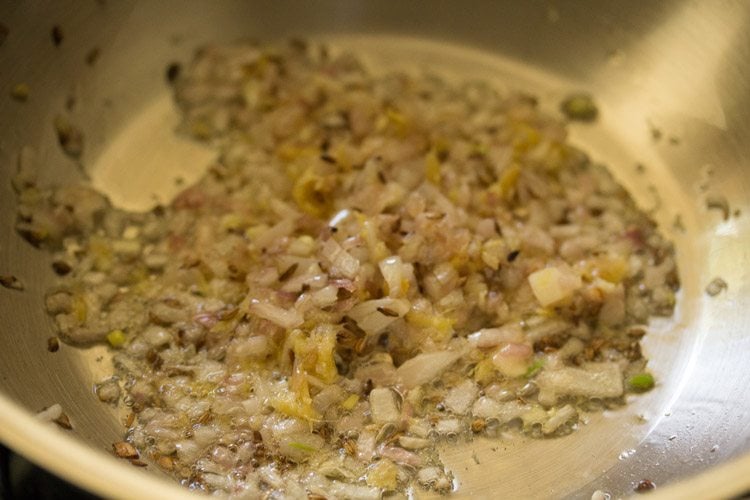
[147, 162]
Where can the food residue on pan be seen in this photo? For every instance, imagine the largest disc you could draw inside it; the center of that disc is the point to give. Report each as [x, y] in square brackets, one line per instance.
[656, 133]
[92, 56]
[108, 391]
[716, 286]
[55, 414]
[3, 33]
[124, 449]
[644, 485]
[173, 72]
[375, 265]
[580, 107]
[718, 202]
[11, 282]
[20, 92]
[56, 33]
[53, 344]
[69, 136]
[61, 266]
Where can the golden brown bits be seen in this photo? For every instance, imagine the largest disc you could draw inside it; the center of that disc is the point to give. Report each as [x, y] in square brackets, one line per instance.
[57, 35]
[11, 282]
[636, 331]
[644, 485]
[53, 344]
[61, 267]
[165, 463]
[123, 449]
[63, 421]
[173, 72]
[350, 446]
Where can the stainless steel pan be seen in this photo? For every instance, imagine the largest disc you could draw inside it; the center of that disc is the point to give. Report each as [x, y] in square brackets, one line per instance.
[673, 82]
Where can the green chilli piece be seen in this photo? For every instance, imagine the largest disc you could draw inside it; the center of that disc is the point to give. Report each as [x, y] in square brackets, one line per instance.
[303, 447]
[580, 107]
[534, 368]
[116, 338]
[641, 382]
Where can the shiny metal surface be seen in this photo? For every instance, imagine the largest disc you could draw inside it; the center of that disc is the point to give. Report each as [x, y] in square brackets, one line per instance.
[680, 67]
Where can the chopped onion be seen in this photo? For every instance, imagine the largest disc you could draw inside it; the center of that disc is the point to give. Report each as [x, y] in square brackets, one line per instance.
[187, 450]
[459, 399]
[486, 407]
[156, 336]
[613, 309]
[383, 406]
[512, 360]
[257, 318]
[492, 337]
[554, 285]
[281, 229]
[449, 426]
[595, 380]
[51, 413]
[429, 476]
[326, 296]
[335, 469]
[401, 456]
[559, 417]
[285, 318]
[257, 346]
[425, 367]
[366, 445]
[345, 490]
[392, 270]
[378, 369]
[327, 397]
[413, 443]
[341, 263]
[539, 327]
[374, 316]
[299, 447]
